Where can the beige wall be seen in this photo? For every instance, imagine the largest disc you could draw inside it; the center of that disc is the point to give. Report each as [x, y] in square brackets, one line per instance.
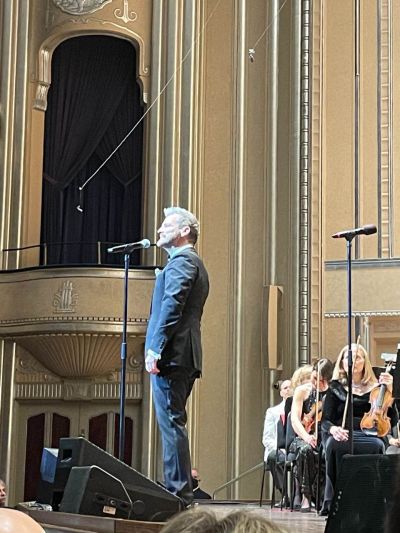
[372, 197]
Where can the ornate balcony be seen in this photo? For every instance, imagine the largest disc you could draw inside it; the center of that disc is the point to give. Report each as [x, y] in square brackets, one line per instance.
[70, 319]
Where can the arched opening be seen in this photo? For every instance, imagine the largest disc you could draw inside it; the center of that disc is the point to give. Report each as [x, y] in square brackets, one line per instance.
[93, 101]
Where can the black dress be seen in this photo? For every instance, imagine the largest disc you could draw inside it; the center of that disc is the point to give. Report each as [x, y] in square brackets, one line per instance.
[332, 415]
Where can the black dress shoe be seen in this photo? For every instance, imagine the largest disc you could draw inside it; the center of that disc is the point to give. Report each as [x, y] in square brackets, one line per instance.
[323, 512]
[285, 504]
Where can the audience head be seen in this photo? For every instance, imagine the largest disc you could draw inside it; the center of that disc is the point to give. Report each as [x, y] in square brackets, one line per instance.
[197, 520]
[195, 478]
[12, 521]
[301, 375]
[3, 493]
[245, 521]
[359, 353]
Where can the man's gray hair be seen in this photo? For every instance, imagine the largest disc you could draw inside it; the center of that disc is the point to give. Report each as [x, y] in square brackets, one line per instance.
[186, 218]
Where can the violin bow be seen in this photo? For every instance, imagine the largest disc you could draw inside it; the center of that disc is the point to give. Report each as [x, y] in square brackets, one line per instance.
[347, 397]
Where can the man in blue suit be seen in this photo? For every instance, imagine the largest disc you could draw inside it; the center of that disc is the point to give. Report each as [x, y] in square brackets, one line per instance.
[173, 353]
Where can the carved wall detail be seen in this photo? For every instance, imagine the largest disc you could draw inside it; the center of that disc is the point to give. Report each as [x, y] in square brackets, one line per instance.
[33, 381]
[80, 7]
[125, 14]
[116, 21]
[30, 370]
[65, 298]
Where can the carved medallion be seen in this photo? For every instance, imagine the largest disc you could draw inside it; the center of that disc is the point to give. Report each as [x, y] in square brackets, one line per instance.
[80, 7]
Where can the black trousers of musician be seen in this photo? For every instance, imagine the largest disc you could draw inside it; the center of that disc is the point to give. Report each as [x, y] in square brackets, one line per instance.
[171, 389]
[334, 451]
[276, 463]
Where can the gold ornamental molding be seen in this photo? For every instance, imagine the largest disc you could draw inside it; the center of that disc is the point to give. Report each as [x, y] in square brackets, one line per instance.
[80, 7]
[342, 314]
[39, 378]
[66, 19]
[77, 391]
[77, 355]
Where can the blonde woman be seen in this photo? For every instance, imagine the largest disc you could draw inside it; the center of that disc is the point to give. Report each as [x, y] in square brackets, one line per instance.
[306, 441]
[335, 432]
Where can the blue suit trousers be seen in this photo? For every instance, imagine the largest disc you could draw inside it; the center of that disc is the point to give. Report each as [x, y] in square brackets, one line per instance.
[171, 389]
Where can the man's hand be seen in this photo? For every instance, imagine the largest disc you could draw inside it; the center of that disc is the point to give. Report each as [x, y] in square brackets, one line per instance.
[151, 362]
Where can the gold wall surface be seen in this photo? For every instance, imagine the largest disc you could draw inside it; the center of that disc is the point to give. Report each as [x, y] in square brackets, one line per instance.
[358, 155]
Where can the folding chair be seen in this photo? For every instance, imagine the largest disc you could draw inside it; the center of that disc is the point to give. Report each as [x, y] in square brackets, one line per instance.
[281, 443]
[290, 463]
[267, 468]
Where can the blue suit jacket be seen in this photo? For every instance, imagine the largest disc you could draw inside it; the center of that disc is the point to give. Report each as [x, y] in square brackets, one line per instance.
[180, 292]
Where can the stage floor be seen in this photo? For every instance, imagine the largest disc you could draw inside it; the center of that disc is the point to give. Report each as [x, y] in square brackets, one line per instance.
[293, 522]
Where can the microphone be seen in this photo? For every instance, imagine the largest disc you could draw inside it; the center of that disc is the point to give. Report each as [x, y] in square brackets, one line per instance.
[129, 247]
[368, 229]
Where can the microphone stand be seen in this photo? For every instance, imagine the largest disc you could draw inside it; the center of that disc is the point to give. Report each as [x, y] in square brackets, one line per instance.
[122, 387]
[127, 249]
[349, 239]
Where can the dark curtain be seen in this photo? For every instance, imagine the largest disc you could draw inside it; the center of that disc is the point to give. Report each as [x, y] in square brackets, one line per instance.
[93, 101]
[33, 456]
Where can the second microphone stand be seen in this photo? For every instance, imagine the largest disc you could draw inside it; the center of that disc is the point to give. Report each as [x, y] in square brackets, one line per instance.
[349, 239]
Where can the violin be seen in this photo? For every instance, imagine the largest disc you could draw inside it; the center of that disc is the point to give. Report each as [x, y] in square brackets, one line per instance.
[314, 416]
[376, 423]
[311, 419]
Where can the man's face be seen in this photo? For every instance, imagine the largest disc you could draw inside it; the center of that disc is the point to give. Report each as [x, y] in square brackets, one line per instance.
[169, 233]
[286, 389]
[3, 494]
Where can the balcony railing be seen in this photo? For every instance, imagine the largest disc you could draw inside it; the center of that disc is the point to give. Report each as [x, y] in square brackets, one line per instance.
[63, 253]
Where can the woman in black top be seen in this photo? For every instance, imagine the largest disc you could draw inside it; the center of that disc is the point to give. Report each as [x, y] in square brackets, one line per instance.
[334, 433]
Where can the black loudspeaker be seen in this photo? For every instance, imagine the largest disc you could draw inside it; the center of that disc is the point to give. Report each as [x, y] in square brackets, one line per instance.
[150, 501]
[93, 491]
[363, 494]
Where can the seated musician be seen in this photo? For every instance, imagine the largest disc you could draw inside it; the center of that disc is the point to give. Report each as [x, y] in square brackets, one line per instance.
[306, 442]
[335, 433]
[272, 456]
[300, 376]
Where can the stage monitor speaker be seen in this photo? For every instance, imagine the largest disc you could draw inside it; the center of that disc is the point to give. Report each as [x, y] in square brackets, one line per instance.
[91, 490]
[363, 494]
[150, 501]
